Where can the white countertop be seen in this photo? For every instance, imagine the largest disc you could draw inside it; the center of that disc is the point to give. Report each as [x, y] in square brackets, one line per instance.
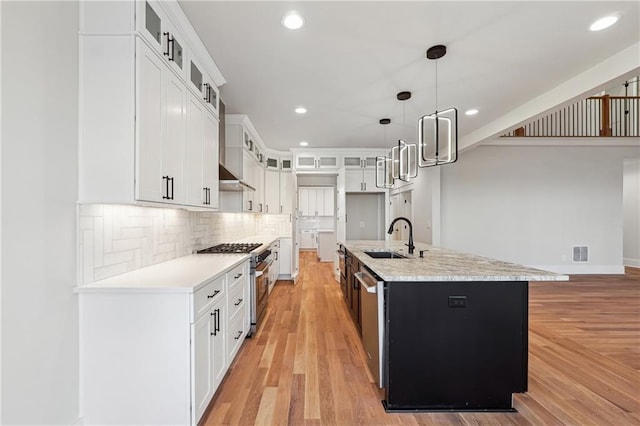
[181, 275]
[441, 264]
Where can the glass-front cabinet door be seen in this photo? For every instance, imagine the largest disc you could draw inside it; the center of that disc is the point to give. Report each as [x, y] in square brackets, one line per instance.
[152, 24]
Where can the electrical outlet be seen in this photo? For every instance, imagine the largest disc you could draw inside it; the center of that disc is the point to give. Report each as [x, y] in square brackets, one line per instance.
[457, 301]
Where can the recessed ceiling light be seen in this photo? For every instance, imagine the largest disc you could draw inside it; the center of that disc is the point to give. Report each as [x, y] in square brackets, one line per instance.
[304, 143]
[292, 20]
[471, 112]
[603, 23]
[301, 110]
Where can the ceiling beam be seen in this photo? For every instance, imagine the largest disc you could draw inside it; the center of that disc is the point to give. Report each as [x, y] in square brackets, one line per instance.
[621, 66]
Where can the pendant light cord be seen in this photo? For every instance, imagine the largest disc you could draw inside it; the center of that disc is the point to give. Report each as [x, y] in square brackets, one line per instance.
[436, 61]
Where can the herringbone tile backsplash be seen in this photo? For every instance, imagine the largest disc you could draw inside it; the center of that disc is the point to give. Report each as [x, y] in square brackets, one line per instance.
[114, 239]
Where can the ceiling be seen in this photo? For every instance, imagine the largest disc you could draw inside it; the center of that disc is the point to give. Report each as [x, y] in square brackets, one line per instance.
[348, 61]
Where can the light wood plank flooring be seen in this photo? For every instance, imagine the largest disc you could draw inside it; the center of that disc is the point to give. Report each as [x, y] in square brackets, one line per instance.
[306, 365]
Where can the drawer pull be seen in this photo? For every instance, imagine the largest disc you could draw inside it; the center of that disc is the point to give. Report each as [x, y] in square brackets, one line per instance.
[237, 276]
[211, 296]
[238, 302]
[238, 336]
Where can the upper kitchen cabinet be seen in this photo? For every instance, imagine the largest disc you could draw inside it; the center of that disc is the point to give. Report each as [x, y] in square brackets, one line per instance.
[309, 160]
[243, 153]
[200, 83]
[316, 201]
[146, 136]
[278, 184]
[358, 161]
[201, 152]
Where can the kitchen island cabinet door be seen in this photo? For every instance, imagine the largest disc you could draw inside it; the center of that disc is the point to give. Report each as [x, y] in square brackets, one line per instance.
[455, 345]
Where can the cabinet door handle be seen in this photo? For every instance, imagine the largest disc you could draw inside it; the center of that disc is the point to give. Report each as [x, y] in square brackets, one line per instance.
[166, 195]
[204, 190]
[171, 197]
[238, 302]
[166, 34]
[211, 296]
[170, 54]
[238, 336]
[267, 208]
[250, 205]
[276, 255]
[208, 196]
[237, 276]
[365, 185]
[206, 93]
[216, 321]
[260, 207]
[280, 209]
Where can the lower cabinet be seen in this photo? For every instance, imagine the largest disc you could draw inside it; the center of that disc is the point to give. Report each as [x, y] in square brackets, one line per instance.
[352, 289]
[208, 355]
[157, 356]
[285, 258]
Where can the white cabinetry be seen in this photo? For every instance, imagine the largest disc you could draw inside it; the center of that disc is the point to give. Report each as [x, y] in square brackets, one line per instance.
[201, 179]
[287, 192]
[137, 131]
[316, 201]
[360, 173]
[164, 348]
[311, 161]
[274, 268]
[308, 239]
[208, 354]
[285, 257]
[271, 191]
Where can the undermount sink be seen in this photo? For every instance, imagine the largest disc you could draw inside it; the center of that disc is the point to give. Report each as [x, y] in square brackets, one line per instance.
[385, 255]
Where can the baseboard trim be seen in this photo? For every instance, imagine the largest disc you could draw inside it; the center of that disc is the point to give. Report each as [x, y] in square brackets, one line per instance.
[582, 269]
[635, 263]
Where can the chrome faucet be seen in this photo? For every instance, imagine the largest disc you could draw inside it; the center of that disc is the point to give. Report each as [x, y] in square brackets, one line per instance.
[390, 231]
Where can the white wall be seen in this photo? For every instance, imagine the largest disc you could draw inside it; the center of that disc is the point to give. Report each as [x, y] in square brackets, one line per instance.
[631, 188]
[39, 189]
[531, 204]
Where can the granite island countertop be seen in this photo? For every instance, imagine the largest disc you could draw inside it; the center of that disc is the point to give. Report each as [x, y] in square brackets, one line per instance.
[441, 264]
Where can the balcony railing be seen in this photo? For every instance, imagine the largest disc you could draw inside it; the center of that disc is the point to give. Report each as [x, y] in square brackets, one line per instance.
[610, 116]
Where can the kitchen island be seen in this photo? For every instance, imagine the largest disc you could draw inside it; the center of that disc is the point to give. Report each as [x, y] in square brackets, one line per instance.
[452, 326]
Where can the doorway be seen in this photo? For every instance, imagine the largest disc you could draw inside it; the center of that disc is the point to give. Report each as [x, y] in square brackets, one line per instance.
[364, 216]
[401, 207]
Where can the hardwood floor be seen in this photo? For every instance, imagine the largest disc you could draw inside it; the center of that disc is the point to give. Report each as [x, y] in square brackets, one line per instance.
[306, 365]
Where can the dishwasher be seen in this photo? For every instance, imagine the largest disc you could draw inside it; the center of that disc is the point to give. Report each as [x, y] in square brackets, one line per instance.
[372, 316]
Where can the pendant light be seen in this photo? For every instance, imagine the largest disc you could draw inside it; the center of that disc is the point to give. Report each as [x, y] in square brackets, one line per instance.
[403, 155]
[384, 165]
[438, 132]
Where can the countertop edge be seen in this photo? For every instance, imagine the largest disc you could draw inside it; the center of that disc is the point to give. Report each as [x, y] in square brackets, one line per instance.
[378, 265]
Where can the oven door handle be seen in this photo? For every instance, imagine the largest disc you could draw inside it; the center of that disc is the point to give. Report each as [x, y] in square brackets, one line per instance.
[259, 273]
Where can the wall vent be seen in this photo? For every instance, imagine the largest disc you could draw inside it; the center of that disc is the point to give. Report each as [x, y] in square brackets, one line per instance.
[580, 253]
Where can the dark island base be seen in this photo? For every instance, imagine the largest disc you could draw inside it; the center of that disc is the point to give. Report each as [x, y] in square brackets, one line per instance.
[508, 408]
[455, 346]
[447, 410]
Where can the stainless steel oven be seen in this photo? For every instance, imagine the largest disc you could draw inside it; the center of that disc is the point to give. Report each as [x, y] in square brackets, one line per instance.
[259, 287]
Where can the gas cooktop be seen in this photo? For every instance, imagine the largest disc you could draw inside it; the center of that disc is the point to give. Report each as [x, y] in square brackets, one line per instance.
[231, 248]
